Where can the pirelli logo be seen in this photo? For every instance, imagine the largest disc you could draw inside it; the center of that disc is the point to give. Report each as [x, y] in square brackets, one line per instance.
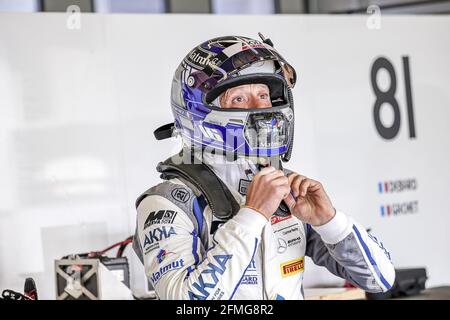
[292, 267]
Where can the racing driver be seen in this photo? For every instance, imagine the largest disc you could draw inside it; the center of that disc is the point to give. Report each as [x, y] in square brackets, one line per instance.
[228, 221]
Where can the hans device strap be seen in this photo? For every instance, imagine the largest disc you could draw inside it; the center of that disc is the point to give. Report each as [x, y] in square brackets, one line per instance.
[219, 198]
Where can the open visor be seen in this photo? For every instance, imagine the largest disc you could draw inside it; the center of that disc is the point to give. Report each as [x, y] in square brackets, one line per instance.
[276, 83]
[228, 63]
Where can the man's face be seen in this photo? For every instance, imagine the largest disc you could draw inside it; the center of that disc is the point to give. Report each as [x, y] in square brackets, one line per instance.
[246, 96]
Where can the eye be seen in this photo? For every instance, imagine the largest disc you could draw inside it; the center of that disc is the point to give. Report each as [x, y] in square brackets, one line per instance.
[238, 99]
[264, 96]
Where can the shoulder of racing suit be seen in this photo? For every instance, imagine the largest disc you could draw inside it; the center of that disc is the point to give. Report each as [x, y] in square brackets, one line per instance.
[200, 187]
[176, 261]
[181, 196]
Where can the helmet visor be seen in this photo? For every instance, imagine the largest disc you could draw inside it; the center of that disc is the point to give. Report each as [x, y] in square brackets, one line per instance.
[214, 69]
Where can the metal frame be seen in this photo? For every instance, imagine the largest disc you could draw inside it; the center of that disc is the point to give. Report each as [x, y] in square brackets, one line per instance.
[83, 262]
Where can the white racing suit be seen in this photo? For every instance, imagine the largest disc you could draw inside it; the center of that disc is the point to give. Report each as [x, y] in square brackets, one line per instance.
[246, 257]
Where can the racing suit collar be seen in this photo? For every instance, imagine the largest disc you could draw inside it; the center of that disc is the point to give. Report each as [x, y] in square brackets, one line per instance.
[233, 173]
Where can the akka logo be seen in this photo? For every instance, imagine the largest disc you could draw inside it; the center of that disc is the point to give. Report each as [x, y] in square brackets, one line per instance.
[292, 267]
[399, 208]
[276, 219]
[162, 254]
[158, 234]
[208, 279]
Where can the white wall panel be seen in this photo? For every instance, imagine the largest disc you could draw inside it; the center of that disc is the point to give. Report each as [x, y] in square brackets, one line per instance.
[78, 108]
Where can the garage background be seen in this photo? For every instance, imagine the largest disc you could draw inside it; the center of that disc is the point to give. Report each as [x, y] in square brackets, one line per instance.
[82, 89]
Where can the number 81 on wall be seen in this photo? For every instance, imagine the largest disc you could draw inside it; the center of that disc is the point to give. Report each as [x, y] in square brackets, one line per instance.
[388, 97]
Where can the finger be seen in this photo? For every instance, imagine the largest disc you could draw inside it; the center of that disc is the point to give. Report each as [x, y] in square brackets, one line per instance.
[281, 180]
[283, 191]
[292, 176]
[304, 185]
[277, 174]
[267, 178]
[315, 185]
[295, 185]
[308, 184]
[266, 170]
[265, 173]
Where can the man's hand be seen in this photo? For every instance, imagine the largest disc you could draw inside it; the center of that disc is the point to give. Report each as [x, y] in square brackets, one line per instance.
[308, 200]
[268, 188]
